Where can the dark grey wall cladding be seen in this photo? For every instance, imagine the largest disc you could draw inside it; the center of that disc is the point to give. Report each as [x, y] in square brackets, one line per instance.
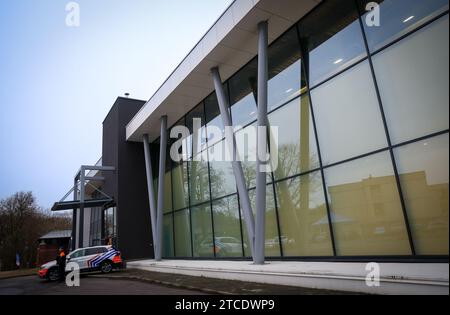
[128, 183]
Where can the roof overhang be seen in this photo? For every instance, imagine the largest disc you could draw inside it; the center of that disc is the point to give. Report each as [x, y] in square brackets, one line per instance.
[91, 203]
[230, 43]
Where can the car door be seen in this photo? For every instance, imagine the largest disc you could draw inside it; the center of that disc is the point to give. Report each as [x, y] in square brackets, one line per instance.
[76, 257]
[90, 255]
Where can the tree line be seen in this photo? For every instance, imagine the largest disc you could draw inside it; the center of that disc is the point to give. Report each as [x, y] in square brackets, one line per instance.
[22, 222]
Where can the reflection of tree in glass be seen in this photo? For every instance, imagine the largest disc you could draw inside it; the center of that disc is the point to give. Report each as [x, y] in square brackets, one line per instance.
[217, 178]
[198, 178]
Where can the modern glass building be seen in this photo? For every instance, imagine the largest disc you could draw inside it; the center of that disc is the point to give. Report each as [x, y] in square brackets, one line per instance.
[359, 93]
[361, 101]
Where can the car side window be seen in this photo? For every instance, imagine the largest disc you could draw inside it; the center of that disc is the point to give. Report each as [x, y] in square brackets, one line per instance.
[79, 253]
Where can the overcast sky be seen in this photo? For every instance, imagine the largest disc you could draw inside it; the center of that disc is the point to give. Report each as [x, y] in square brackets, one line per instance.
[59, 82]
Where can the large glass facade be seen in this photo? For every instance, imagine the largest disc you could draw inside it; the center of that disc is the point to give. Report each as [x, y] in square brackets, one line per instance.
[362, 117]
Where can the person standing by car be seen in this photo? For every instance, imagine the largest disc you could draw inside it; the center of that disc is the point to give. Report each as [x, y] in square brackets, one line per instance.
[61, 261]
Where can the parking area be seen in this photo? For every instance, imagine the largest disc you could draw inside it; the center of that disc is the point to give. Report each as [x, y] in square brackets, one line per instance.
[89, 285]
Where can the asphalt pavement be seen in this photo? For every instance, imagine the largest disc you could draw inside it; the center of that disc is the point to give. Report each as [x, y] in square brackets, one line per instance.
[89, 285]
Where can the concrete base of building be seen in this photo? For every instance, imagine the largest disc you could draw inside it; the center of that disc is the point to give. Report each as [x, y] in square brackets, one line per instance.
[395, 278]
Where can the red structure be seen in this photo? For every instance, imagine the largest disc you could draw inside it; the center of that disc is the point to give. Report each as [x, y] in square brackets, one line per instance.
[49, 244]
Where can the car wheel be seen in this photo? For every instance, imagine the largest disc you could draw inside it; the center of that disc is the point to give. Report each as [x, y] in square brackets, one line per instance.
[106, 267]
[53, 274]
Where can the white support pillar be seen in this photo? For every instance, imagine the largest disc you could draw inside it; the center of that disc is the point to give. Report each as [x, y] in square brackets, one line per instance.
[151, 191]
[236, 164]
[261, 147]
[74, 217]
[162, 171]
[82, 199]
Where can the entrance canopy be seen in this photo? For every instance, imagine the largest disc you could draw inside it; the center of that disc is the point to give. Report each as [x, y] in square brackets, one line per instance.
[76, 204]
[87, 183]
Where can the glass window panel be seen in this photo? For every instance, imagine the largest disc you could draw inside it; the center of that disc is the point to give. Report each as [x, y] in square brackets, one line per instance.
[305, 229]
[348, 117]
[167, 192]
[244, 111]
[180, 186]
[334, 43]
[182, 234]
[155, 189]
[413, 79]
[198, 142]
[366, 213]
[423, 169]
[286, 78]
[297, 149]
[227, 227]
[199, 180]
[399, 17]
[246, 147]
[168, 236]
[222, 177]
[202, 236]
[186, 142]
[243, 93]
[214, 124]
[272, 241]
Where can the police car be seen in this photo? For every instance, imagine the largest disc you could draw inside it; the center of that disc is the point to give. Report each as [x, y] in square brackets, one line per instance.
[98, 258]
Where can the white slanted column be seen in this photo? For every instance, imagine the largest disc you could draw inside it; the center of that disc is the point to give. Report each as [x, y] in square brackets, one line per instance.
[156, 210]
[162, 171]
[151, 191]
[82, 199]
[236, 163]
[261, 147]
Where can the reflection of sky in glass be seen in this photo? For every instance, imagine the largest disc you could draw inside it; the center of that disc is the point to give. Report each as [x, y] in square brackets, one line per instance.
[244, 111]
[401, 16]
[413, 81]
[347, 47]
[348, 117]
[284, 86]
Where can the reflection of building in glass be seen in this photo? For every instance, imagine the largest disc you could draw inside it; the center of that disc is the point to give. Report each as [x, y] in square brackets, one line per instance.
[428, 211]
[367, 213]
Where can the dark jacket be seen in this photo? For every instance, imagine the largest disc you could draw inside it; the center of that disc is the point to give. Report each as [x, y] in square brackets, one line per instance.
[61, 258]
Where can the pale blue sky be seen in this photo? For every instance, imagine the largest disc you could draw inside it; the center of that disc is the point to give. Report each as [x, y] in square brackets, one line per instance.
[58, 83]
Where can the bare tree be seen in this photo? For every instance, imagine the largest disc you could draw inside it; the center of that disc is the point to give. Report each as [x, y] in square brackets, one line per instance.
[22, 222]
